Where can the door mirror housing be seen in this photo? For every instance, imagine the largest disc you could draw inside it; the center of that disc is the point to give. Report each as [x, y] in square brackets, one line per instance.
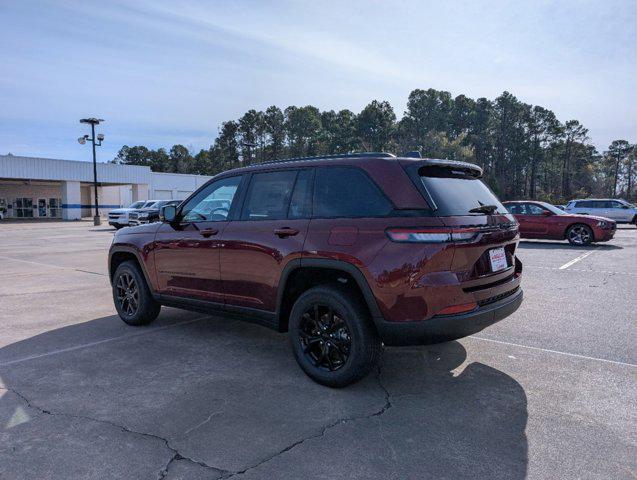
[546, 213]
[168, 213]
[625, 207]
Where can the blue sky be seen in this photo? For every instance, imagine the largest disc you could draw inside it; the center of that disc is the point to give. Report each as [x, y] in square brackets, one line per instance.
[166, 72]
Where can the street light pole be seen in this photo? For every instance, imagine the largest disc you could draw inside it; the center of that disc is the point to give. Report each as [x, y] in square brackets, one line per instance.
[82, 140]
[96, 218]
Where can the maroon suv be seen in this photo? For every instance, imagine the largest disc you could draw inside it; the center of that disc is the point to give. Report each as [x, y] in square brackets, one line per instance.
[345, 253]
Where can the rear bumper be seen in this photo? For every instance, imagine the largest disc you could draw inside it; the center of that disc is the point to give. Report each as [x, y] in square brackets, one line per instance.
[448, 327]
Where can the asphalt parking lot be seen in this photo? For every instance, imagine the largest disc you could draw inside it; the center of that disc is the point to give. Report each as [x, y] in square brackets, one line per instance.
[550, 392]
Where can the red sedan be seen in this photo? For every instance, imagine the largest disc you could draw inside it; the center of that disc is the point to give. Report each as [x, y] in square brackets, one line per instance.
[543, 220]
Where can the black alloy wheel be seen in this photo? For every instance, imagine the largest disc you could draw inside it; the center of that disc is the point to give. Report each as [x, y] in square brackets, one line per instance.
[132, 297]
[325, 338]
[127, 293]
[332, 335]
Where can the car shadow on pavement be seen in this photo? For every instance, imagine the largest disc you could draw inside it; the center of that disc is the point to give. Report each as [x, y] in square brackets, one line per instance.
[217, 396]
[556, 245]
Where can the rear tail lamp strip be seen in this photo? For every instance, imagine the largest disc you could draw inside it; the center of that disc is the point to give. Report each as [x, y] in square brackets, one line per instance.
[432, 235]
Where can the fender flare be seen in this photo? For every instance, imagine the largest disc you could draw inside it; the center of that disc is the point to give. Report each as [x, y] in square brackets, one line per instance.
[135, 253]
[346, 267]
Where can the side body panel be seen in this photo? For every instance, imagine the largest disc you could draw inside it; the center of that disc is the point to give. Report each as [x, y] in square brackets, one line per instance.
[253, 257]
[187, 260]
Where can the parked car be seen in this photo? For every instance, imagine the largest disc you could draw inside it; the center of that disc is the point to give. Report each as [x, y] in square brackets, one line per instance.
[618, 210]
[118, 217]
[150, 213]
[343, 253]
[543, 220]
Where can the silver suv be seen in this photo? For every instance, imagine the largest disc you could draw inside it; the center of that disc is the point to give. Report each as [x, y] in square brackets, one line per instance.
[619, 210]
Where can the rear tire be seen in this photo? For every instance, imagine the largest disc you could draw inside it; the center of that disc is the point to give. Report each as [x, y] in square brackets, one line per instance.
[133, 301]
[332, 337]
[579, 235]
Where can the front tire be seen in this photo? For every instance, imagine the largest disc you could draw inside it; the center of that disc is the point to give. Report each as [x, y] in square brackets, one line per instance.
[579, 235]
[133, 301]
[332, 337]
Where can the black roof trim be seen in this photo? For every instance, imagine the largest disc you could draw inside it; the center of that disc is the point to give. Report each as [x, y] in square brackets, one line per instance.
[328, 157]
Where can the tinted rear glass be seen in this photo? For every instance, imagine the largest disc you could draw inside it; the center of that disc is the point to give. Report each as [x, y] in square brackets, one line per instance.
[347, 192]
[455, 192]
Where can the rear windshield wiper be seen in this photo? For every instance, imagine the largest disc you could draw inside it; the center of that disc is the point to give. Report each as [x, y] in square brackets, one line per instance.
[486, 209]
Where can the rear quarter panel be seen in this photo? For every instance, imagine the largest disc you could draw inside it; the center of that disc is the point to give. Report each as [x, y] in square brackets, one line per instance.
[390, 268]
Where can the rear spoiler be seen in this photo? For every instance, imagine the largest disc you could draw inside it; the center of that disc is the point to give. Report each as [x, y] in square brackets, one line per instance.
[411, 164]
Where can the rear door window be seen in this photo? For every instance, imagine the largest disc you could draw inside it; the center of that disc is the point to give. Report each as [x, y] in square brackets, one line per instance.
[268, 195]
[347, 192]
[456, 191]
[301, 202]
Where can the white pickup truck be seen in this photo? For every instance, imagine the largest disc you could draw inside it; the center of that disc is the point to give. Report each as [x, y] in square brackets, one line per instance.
[118, 218]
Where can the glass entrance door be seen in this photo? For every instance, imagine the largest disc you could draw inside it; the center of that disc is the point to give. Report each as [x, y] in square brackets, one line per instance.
[24, 207]
[42, 213]
[54, 208]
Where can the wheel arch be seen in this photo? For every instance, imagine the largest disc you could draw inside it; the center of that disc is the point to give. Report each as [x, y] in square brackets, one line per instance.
[121, 254]
[301, 274]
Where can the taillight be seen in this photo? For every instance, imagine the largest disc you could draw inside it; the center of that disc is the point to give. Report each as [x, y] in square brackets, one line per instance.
[431, 235]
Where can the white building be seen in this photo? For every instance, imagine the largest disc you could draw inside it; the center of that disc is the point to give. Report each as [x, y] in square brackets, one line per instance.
[49, 188]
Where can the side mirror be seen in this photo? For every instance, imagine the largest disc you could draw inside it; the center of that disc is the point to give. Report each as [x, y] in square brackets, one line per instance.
[625, 207]
[546, 213]
[168, 213]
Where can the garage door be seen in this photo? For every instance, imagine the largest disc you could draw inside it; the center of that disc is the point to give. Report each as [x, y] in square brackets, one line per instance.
[163, 195]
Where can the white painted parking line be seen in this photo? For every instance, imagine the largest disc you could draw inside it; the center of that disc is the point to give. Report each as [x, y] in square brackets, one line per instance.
[98, 342]
[50, 265]
[540, 267]
[548, 350]
[575, 260]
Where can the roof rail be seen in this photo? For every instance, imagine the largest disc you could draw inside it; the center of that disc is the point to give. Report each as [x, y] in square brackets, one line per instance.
[327, 157]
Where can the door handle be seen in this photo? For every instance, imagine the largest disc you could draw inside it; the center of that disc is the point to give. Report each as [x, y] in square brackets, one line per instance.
[285, 232]
[208, 232]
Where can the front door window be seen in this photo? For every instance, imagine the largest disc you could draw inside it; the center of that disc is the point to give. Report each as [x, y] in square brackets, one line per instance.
[211, 204]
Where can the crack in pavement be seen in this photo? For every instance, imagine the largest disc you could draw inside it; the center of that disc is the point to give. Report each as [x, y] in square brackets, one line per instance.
[324, 430]
[163, 472]
[222, 473]
[605, 280]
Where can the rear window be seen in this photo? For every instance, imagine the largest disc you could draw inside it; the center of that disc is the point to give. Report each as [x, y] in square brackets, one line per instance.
[347, 192]
[457, 191]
